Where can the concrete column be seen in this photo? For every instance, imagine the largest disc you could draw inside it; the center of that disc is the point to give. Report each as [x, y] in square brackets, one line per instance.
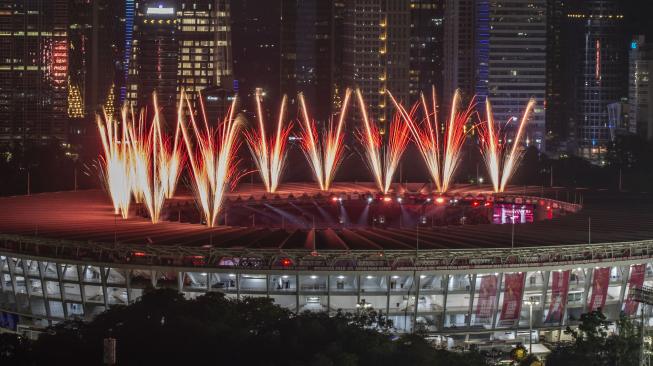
[589, 274]
[472, 290]
[418, 281]
[297, 287]
[60, 277]
[445, 294]
[128, 284]
[104, 272]
[82, 291]
[495, 311]
[44, 289]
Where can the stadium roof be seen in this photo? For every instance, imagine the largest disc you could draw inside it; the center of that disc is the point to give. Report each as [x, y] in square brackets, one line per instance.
[87, 216]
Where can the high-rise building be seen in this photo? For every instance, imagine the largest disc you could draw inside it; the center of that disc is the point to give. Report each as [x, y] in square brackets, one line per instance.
[598, 54]
[94, 32]
[377, 52]
[33, 70]
[309, 51]
[179, 45]
[256, 36]
[459, 49]
[640, 87]
[558, 103]
[511, 61]
[426, 46]
[155, 57]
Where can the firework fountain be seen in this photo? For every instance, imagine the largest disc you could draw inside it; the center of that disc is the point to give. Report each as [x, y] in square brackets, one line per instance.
[156, 165]
[323, 157]
[212, 160]
[114, 162]
[500, 158]
[139, 162]
[382, 159]
[269, 156]
[440, 146]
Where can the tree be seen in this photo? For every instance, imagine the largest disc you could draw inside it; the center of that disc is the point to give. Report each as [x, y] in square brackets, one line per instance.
[164, 328]
[593, 345]
[14, 350]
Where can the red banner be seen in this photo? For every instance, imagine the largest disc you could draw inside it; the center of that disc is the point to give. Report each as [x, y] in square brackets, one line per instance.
[600, 283]
[559, 292]
[487, 295]
[636, 280]
[512, 296]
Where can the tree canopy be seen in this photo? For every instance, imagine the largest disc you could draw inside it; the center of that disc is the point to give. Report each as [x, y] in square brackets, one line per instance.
[164, 328]
[594, 345]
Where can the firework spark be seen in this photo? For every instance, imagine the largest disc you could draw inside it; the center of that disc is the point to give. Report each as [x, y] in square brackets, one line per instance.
[114, 161]
[212, 159]
[269, 156]
[501, 161]
[324, 158]
[440, 146]
[155, 164]
[383, 164]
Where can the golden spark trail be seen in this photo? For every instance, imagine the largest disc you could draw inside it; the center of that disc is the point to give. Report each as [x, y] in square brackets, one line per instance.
[513, 158]
[114, 163]
[212, 160]
[382, 165]
[310, 144]
[455, 132]
[370, 138]
[490, 147]
[500, 162]
[440, 153]
[269, 157]
[335, 143]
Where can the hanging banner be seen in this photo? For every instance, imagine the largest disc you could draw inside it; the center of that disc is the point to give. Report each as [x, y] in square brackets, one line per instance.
[600, 283]
[487, 295]
[559, 292]
[512, 296]
[636, 280]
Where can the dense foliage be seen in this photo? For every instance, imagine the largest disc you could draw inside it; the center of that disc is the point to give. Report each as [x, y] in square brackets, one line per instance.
[594, 345]
[164, 328]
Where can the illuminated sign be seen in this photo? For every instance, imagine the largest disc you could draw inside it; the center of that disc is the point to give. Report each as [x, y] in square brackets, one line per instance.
[160, 11]
[633, 45]
[59, 62]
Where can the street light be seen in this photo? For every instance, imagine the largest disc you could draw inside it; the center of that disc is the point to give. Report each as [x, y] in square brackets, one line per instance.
[530, 304]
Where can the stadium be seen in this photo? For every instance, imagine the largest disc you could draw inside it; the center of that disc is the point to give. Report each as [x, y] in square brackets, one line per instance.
[468, 263]
[415, 255]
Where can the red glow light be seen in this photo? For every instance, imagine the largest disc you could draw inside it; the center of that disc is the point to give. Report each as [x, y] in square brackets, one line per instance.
[139, 254]
[387, 199]
[439, 200]
[286, 262]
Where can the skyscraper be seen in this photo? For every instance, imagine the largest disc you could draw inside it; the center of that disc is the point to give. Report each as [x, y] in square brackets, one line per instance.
[511, 61]
[179, 44]
[557, 95]
[377, 52]
[640, 87]
[33, 70]
[94, 33]
[426, 46]
[459, 49]
[309, 51]
[256, 37]
[155, 57]
[598, 54]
